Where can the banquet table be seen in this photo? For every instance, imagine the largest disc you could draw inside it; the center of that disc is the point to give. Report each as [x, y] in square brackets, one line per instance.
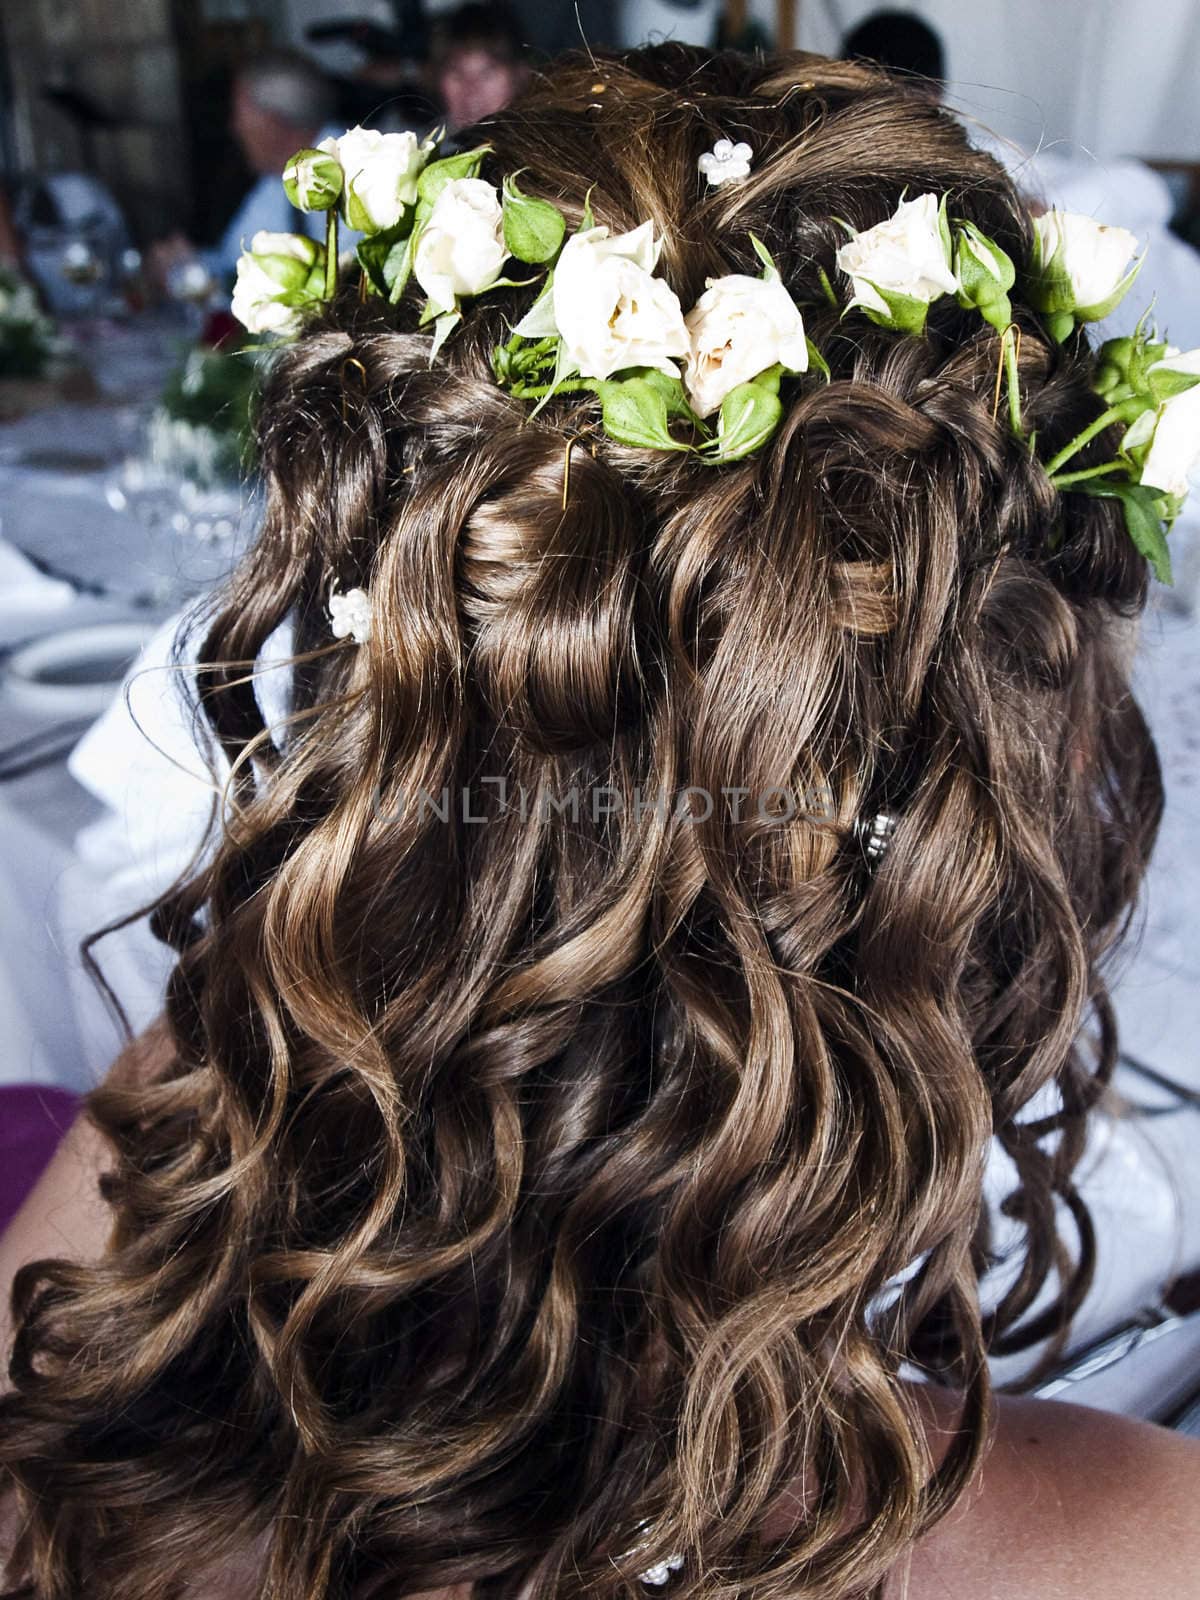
[96, 832]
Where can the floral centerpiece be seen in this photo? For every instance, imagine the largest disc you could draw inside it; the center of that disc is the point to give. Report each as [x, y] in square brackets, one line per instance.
[35, 362]
[202, 429]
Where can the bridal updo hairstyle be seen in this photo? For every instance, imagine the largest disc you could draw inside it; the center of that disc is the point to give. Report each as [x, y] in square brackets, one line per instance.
[582, 1181]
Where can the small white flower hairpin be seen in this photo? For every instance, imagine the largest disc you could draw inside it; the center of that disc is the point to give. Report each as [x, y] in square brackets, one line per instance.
[660, 1572]
[725, 162]
[350, 615]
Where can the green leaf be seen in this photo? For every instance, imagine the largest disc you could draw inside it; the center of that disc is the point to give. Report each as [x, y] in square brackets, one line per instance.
[588, 220]
[749, 416]
[635, 413]
[438, 174]
[827, 289]
[533, 229]
[1143, 519]
[382, 256]
[671, 389]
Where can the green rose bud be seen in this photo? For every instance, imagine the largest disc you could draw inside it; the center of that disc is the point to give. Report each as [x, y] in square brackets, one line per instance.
[985, 275]
[313, 180]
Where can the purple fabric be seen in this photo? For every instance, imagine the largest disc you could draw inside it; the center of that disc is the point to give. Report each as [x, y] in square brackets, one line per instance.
[33, 1118]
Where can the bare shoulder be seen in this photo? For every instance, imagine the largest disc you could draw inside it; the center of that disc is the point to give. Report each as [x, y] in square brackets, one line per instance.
[64, 1214]
[1070, 1504]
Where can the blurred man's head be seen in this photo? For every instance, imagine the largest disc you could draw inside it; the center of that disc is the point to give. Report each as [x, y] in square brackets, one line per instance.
[280, 103]
[477, 63]
[903, 44]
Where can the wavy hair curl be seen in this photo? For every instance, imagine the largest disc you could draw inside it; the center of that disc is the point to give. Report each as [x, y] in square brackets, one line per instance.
[514, 1182]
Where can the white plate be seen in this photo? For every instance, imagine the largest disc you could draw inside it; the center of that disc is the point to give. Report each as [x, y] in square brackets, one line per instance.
[76, 672]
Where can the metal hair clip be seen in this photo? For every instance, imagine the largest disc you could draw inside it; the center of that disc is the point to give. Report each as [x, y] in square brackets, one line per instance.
[876, 835]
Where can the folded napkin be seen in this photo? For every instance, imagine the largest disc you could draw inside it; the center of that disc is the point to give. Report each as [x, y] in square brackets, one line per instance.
[26, 592]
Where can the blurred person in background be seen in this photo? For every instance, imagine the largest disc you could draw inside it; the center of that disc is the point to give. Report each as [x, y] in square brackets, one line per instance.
[478, 63]
[281, 103]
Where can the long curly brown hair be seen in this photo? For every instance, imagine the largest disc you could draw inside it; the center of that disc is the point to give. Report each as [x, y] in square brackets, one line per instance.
[521, 1186]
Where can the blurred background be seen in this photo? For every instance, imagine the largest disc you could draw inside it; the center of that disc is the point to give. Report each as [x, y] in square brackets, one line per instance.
[141, 142]
[137, 93]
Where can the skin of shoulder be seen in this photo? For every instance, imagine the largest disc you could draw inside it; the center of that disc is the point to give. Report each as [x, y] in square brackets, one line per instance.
[1070, 1504]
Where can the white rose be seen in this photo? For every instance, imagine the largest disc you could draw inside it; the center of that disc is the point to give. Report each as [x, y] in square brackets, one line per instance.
[381, 172]
[609, 309]
[1093, 255]
[1174, 451]
[276, 264]
[904, 255]
[461, 249]
[738, 328]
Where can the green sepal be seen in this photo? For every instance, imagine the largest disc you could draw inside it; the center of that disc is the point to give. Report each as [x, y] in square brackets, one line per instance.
[522, 359]
[562, 374]
[1103, 308]
[290, 273]
[749, 416]
[770, 273]
[636, 412]
[533, 229]
[1166, 381]
[1142, 508]
[944, 230]
[587, 220]
[442, 329]
[905, 314]
[1048, 287]
[828, 289]
[1060, 325]
[817, 361]
[538, 322]
[383, 256]
[438, 174]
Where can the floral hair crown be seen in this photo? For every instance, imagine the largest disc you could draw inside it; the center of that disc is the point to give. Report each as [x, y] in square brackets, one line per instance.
[707, 382]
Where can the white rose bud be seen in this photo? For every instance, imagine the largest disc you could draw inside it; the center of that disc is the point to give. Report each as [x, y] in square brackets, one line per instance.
[1083, 260]
[1174, 453]
[738, 328]
[461, 249]
[905, 256]
[381, 172]
[275, 266]
[609, 309]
